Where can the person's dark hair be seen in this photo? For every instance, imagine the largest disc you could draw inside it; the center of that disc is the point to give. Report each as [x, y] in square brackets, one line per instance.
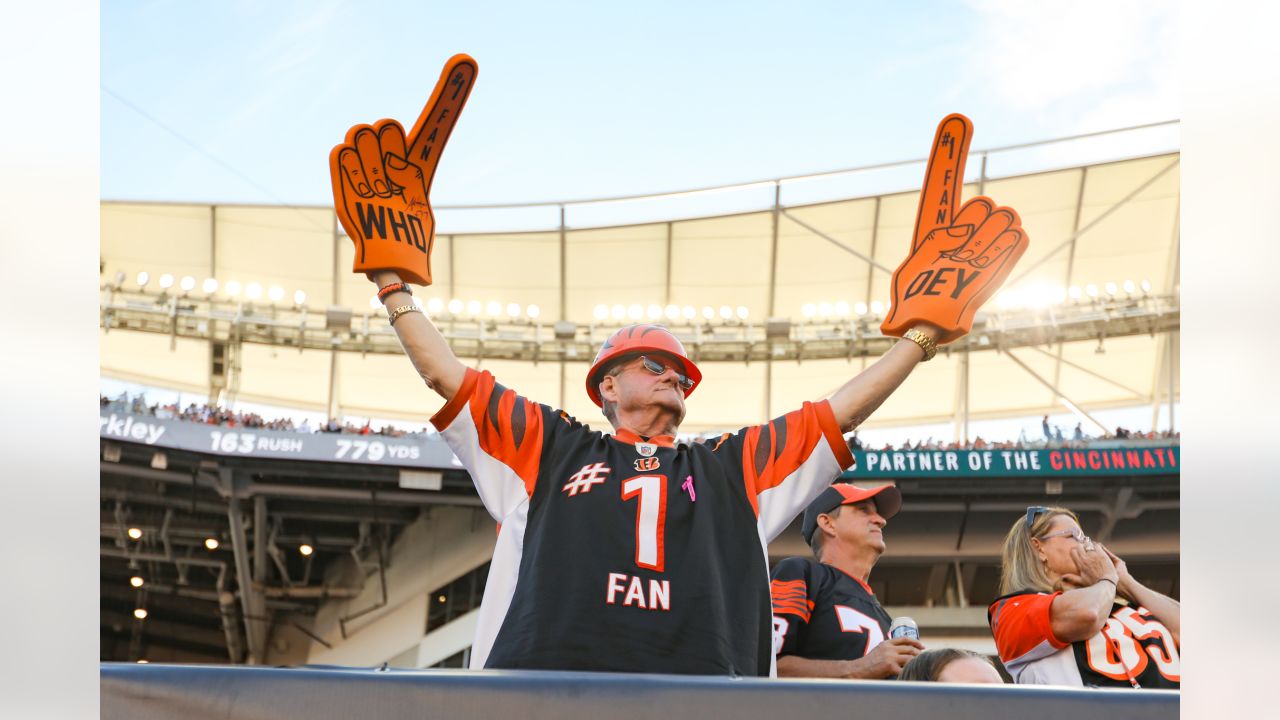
[818, 537]
[929, 664]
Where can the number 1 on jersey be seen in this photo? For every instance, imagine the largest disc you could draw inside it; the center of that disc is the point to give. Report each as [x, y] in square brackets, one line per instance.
[651, 518]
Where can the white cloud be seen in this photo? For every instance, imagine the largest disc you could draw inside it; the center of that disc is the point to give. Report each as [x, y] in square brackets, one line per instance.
[1106, 62]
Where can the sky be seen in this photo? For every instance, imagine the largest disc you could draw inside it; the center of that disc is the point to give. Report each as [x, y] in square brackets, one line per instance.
[240, 101]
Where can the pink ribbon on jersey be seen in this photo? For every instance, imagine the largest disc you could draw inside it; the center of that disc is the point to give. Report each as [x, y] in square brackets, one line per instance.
[688, 487]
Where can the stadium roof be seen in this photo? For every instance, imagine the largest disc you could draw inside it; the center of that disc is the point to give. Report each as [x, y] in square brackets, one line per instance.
[1094, 224]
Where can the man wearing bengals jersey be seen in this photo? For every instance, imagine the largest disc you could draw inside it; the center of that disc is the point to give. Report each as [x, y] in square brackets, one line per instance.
[629, 551]
[1071, 614]
[826, 621]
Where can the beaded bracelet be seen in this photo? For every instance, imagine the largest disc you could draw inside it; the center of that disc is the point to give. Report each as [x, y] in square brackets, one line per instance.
[394, 287]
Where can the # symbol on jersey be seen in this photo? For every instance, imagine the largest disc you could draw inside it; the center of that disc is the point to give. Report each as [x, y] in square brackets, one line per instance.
[588, 477]
[646, 449]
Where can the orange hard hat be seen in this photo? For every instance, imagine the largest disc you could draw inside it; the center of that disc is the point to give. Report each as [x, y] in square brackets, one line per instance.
[636, 340]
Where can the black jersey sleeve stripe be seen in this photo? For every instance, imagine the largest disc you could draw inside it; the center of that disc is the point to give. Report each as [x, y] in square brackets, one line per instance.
[518, 409]
[495, 402]
[763, 445]
[780, 433]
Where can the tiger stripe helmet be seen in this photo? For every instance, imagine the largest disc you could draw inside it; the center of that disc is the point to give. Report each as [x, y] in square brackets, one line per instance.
[636, 340]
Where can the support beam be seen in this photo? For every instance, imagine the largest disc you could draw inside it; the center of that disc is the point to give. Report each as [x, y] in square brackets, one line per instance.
[250, 600]
[1119, 510]
[1046, 383]
[837, 243]
[1092, 224]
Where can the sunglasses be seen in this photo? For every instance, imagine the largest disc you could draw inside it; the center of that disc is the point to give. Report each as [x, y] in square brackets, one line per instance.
[657, 368]
[1033, 512]
[1073, 533]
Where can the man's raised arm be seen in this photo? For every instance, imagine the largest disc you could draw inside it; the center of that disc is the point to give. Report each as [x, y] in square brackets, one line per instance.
[422, 342]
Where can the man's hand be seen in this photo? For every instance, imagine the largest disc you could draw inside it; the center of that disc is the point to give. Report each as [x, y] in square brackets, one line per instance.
[887, 659]
[959, 258]
[382, 179]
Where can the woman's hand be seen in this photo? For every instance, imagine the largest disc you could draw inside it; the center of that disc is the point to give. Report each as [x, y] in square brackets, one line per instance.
[1125, 584]
[1093, 566]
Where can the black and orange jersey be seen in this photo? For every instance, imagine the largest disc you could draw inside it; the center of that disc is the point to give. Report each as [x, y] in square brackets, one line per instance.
[821, 612]
[1133, 649]
[630, 554]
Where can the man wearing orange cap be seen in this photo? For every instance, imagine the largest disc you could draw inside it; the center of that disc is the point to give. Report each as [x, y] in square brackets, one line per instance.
[628, 551]
[826, 620]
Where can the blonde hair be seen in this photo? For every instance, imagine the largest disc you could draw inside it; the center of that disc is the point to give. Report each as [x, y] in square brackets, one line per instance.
[1020, 566]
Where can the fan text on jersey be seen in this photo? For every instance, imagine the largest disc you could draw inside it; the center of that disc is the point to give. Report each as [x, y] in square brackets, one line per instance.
[629, 590]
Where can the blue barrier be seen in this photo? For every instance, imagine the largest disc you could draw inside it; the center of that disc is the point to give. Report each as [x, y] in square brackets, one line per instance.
[204, 692]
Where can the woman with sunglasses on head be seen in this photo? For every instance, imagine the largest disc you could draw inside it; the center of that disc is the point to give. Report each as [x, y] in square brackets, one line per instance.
[1071, 614]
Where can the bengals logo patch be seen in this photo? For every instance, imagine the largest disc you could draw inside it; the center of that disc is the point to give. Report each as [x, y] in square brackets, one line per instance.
[647, 464]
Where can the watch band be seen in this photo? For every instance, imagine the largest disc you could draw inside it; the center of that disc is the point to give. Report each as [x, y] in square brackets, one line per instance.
[925, 342]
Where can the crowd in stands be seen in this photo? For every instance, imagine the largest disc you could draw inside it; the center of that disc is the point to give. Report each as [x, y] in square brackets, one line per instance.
[212, 415]
[1053, 438]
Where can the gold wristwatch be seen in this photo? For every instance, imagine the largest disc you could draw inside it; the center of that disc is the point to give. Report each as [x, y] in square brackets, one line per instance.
[925, 342]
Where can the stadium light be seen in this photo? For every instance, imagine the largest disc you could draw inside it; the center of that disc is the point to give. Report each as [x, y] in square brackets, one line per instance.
[601, 312]
[809, 310]
[435, 305]
[209, 286]
[708, 312]
[654, 312]
[635, 312]
[688, 312]
[211, 543]
[253, 291]
[276, 293]
[1111, 288]
[842, 308]
[1146, 286]
[513, 310]
[743, 312]
[232, 288]
[1074, 292]
[306, 550]
[533, 311]
[825, 309]
[120, 276]
[374, 302]
[1091, 290]
[136, 581]
[455, 306]
[166, 281]
[140, 613]
[135, 533]
[1129, 287]
[877, 307]
[188, 283]
[726, 312]
[860, 309]
[493, 308]
[299, 297]
[143, 278]
[474, 307]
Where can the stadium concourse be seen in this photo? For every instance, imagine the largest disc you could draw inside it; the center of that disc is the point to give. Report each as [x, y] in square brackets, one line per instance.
[248, 542]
